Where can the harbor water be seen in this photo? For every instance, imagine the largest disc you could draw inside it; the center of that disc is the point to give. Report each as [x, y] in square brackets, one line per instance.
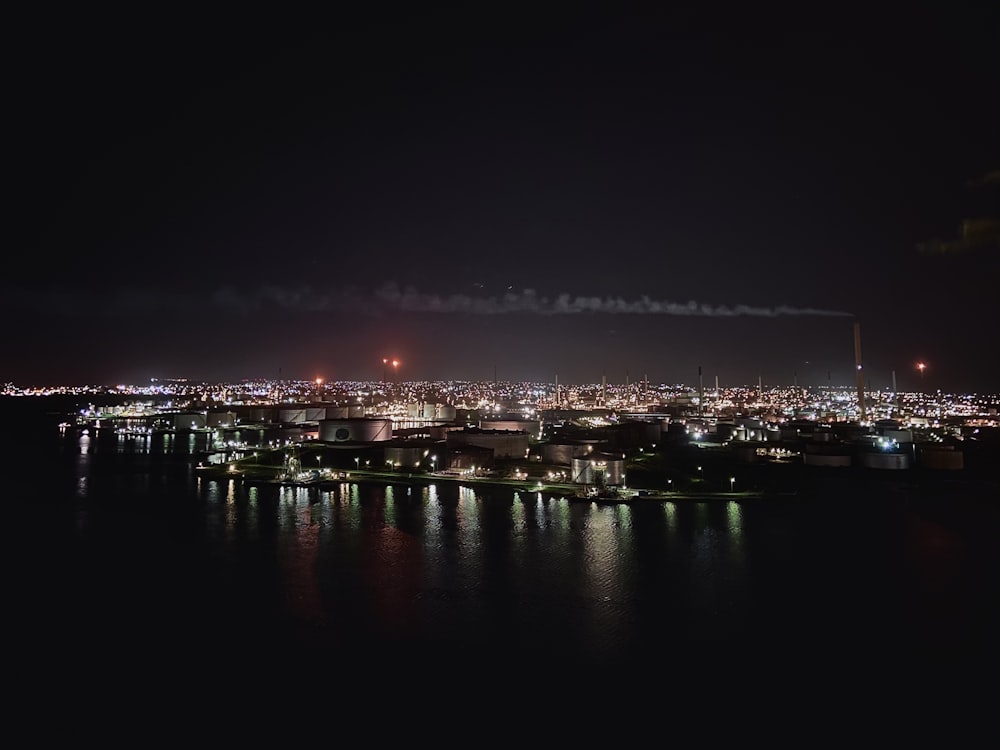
[123, 555]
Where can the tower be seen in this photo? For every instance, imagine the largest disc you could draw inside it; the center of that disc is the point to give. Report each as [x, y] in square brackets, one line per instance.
[701, 393]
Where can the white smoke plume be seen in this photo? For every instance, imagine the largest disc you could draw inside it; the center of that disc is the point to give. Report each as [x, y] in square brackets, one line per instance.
[527, 301]
[391, 297]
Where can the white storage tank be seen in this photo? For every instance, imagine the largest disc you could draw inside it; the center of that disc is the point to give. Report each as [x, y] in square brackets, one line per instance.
[432, 412]
[600, 469]
[355, 430]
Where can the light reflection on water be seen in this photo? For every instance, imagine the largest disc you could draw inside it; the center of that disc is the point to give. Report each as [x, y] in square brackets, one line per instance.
[360, 568]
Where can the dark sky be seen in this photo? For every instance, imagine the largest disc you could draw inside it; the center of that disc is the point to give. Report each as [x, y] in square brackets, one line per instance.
[600, 193]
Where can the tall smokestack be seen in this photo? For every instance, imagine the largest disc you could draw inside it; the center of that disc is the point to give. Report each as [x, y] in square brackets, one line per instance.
[857, 365]
[604, 390]
[557, 390]
[701, 393]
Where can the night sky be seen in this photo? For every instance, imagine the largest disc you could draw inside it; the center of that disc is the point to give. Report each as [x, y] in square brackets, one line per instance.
[494, 194]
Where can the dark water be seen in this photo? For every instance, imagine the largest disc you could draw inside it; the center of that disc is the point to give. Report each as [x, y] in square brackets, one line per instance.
[123, 560]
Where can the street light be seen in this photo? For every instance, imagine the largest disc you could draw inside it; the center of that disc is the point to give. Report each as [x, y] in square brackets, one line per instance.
[357, 462]
[732, 482]
[434, 463]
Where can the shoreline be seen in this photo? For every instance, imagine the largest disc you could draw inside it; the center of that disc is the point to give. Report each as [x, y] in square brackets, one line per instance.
[521, 487]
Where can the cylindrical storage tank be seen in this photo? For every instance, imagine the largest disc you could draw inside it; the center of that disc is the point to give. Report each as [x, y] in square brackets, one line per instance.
[532, 427]
[193, 420]
[941, 457]
[429, 411]
[724, 430]
[851, 432]
[561, 453]
[826, 454]
[602, 469]
[900, 436]
[355, 430]
[826, 459]
[315, 413]
[440, 432]
[445, 411]
[651, 431]
[504, 444]
[788, 433]
[243, 413]
[221, 419]
[470, 457]
[884, 460]
[337, 412]
[263, 415]
[292, 416]
[404, 456]
[739, 433]
[356, 411]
